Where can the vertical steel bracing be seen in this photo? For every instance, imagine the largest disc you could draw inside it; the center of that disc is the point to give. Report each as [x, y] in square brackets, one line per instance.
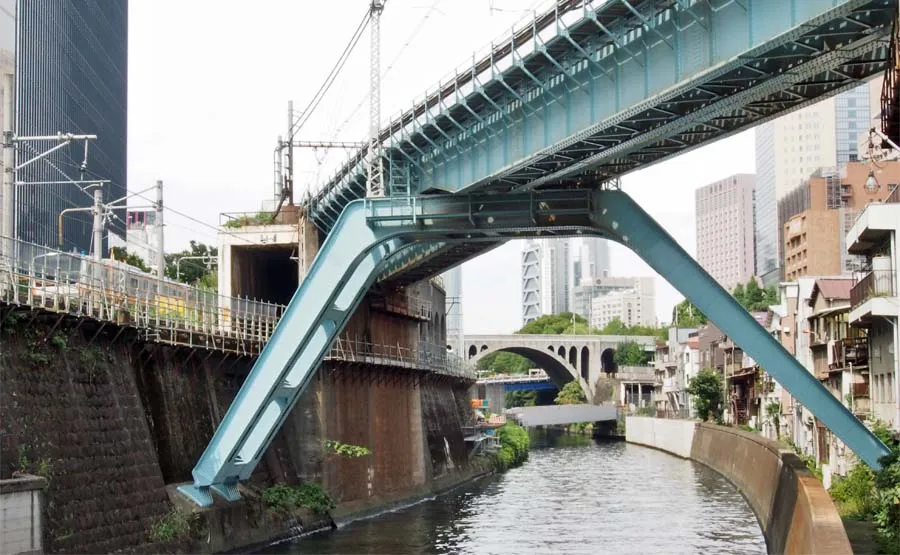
[368, 233]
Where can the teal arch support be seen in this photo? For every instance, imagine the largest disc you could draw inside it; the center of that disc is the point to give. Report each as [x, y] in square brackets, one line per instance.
[369, 233]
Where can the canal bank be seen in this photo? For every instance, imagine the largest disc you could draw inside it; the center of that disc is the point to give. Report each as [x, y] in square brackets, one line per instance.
[794, 511]
[572, 495]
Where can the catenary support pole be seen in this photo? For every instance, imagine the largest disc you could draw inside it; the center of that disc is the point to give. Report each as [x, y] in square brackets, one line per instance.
[98, 223]
[160, 232]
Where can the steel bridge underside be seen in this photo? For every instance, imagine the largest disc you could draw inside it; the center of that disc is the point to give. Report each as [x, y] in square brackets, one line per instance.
[594, 90]
[369, 234]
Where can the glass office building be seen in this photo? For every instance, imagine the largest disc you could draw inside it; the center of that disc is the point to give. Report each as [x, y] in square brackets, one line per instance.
[71, 77]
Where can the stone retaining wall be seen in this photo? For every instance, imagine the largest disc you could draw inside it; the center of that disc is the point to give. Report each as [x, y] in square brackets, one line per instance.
[795, 512]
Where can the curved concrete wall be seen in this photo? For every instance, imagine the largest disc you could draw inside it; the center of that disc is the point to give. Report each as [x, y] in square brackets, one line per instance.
[794, 510]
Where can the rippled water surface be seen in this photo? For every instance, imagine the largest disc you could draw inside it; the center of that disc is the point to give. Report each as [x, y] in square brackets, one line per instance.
[588, 498]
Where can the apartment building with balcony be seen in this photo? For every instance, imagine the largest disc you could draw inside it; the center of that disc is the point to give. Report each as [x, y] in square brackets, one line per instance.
[816, 216]
[874, 305]
[676, 362]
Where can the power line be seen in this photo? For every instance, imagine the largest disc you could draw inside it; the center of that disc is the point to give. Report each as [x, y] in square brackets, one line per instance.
[332, 75]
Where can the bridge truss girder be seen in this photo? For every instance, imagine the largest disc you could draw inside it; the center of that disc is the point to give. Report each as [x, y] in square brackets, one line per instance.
[369, 233]
[596, 91]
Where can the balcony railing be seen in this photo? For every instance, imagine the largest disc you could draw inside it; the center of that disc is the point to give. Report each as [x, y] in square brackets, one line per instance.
[878, 283]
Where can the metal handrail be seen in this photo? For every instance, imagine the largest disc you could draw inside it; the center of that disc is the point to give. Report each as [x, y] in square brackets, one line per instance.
[877, 283]
[108, 290]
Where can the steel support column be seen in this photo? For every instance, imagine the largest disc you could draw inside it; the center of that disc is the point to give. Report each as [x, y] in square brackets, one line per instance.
[368, 233]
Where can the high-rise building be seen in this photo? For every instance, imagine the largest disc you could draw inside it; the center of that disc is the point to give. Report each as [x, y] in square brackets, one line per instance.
[72, 76]
[724, 215]
[593, 261]
[633, 306]
[819, 213]
[7, 88]
[546, 278]
[792, 147]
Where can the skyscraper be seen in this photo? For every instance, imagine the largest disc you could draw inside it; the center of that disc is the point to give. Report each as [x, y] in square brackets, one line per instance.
[72, 77]
[792, 147]
[724, 215]
[546, 277]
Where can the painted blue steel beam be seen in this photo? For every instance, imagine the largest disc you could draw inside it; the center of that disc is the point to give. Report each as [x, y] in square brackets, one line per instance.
[591, 91]
[369, 232]
[530, 386]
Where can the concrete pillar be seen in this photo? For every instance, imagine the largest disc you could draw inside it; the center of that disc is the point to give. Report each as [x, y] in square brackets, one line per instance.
[496, 398]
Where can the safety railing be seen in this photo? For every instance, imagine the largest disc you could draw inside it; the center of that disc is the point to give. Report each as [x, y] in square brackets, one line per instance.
[877, 283]
[173, 312]
[426, 356]
[112, 291]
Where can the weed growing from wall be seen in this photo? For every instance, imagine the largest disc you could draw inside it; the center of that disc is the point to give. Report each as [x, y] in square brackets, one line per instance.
[285, 499]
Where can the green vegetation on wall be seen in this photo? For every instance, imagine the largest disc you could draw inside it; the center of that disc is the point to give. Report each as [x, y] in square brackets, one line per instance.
[285, 499]
[514, 443]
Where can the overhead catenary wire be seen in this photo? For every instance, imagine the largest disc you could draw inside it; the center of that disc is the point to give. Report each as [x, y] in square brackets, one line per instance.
[332, 76]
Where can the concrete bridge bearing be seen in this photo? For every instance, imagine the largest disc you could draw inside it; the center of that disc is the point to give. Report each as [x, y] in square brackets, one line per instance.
[369, 232]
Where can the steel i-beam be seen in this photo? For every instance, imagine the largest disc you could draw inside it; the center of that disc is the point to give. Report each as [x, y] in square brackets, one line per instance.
[370, 232]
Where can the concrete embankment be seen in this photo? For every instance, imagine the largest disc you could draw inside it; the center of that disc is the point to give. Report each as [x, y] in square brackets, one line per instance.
[112, 422]
[794, 510]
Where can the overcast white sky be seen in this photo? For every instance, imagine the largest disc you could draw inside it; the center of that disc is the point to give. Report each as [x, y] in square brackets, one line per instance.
[209, 83]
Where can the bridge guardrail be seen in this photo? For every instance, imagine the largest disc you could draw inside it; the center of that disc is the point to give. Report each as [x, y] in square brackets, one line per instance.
[426, 356]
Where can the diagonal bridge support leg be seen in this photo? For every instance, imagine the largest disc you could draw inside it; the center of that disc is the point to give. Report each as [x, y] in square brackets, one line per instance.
[369, 233]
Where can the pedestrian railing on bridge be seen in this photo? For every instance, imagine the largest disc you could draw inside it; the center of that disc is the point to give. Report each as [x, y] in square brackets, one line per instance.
[110, 291]
[172, 312]
[427, 356]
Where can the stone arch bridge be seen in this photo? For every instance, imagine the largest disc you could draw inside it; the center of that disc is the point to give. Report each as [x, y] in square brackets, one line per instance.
[563, 357]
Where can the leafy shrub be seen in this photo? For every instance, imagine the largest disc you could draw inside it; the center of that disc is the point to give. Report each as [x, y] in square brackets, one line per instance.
[346, 450]
[286, 499]
[706, 389]
[175, 525]
[58, 341]
[514, 443]
[855, 493]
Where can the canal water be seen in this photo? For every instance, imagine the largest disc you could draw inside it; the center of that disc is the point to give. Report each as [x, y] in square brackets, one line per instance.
[572, 496]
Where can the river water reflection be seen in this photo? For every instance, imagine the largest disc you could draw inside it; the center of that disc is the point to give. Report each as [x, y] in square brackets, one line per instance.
[584, 497]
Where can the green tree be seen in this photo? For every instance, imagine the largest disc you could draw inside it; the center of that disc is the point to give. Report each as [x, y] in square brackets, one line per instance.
[521, 399]
[122, 255]
[571, 394]
[629, 353]
[686, 315]
[502, 362]
[617, 327]
[191, 271]
[706, 390]
[552, 324]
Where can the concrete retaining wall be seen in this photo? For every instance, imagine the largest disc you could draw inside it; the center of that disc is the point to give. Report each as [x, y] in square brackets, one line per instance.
[672, 436]
[794, 510]
[20, 515]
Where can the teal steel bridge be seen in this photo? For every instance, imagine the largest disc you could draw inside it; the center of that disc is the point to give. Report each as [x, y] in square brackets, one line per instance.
[530, 140]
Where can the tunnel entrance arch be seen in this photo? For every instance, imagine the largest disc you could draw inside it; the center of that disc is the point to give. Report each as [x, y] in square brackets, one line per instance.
[608, 360]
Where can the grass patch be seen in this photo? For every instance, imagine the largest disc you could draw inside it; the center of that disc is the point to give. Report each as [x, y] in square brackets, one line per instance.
[285, 499]
[177, 524]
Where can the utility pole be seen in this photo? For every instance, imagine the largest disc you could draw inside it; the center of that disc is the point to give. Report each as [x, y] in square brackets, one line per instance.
[160, 234]
[375, 182]
[288, 188]
[7, 210]
[98, 212]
